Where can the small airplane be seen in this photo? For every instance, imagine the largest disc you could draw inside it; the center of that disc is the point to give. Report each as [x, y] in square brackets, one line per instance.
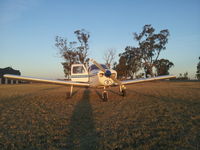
[97, 75]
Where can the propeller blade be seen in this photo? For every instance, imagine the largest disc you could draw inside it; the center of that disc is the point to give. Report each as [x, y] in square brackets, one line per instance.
[98, 65]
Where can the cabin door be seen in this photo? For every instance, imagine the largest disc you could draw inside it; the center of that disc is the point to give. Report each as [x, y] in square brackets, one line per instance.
[79, 73]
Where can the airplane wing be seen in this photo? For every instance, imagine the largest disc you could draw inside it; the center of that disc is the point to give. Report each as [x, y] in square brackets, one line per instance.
[42, 80]
[147, 79]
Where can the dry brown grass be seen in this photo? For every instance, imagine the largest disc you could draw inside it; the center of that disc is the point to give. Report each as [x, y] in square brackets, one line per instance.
[161, 115]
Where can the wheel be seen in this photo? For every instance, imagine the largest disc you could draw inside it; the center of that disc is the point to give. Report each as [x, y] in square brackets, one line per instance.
[105, 96]
[123, 92]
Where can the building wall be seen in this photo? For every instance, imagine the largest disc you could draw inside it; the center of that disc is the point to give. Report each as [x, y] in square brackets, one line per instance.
[8, 70]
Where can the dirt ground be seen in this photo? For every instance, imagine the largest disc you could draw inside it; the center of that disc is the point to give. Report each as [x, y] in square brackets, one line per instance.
[154, 115]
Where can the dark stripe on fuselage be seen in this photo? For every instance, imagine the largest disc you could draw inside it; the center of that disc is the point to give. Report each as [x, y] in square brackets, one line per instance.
[83, 76]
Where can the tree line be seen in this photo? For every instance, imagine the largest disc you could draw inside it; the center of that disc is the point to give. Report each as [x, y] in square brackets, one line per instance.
[198, 70]
[138, 61]
[145, 56]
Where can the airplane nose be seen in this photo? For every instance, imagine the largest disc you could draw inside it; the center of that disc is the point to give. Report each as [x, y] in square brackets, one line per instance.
[108, 73]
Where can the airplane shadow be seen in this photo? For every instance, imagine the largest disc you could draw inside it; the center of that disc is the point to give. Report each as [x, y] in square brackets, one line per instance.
[99, 94]
[82, 132]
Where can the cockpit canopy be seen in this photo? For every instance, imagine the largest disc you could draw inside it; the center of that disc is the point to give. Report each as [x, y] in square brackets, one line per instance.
[94, 67]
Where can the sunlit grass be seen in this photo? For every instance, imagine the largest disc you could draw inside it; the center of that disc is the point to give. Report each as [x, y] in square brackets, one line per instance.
[161, 115]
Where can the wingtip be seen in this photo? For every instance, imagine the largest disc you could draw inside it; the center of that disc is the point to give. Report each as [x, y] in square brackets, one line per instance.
[10, 75]
[5, 75]
[173, 76]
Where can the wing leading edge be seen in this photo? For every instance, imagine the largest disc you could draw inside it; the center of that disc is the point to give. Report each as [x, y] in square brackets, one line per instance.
[41, 80]
[147, 79]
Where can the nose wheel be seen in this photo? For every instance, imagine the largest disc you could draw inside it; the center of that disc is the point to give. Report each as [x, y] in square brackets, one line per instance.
[105, 95]
[124, 92]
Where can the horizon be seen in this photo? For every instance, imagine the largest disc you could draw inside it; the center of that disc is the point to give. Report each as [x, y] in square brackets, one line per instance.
[28, 30]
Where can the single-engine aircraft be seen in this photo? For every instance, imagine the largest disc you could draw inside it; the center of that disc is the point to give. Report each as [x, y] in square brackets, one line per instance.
[97, 75]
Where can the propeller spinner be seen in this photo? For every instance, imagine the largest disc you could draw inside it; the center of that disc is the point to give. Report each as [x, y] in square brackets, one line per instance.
[107, 73]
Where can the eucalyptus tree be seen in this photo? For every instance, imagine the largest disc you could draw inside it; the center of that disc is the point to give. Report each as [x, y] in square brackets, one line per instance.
[75, 51]
[150, 45]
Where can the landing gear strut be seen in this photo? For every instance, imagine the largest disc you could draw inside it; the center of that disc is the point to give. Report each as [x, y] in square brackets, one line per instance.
[122, 90]
[71, 91]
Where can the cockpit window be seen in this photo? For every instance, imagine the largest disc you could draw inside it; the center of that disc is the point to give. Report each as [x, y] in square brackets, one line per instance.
[93, 67]
[78, 69]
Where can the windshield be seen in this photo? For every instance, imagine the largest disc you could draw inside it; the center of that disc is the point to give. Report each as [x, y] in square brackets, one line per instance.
[93, 67]
[78, 70]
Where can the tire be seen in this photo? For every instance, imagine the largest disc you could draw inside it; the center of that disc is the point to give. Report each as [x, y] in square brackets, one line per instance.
[123, 92]
[105, 96]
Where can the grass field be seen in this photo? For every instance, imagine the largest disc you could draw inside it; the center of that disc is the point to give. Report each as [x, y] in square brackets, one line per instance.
[159, 115]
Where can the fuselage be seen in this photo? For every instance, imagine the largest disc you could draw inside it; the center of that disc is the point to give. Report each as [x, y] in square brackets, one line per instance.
[97, 78]
[93, 75]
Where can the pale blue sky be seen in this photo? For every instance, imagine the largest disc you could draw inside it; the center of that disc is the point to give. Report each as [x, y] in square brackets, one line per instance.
[28, 29]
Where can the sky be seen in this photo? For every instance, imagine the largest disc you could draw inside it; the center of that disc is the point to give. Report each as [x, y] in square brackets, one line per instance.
[28, 29]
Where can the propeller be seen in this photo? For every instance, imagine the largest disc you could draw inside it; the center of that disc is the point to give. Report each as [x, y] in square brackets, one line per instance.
[98, 65]
[106, 72]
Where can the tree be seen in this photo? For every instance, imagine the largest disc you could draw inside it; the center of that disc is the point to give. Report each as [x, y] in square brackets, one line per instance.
[198, 70]
[121, 68]
[73, 52]
[183, 76]
[150, 45]
[145, 55]
[68, 52]
[109, 57]
[82, 50]
[162, 66]
[131, 61]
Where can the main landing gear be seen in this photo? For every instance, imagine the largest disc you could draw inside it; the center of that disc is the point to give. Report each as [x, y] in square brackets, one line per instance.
[122, 90]
[69, 95]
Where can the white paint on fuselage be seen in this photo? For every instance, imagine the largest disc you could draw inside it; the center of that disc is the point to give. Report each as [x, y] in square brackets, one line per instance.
[97, 80]
[94, 76]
